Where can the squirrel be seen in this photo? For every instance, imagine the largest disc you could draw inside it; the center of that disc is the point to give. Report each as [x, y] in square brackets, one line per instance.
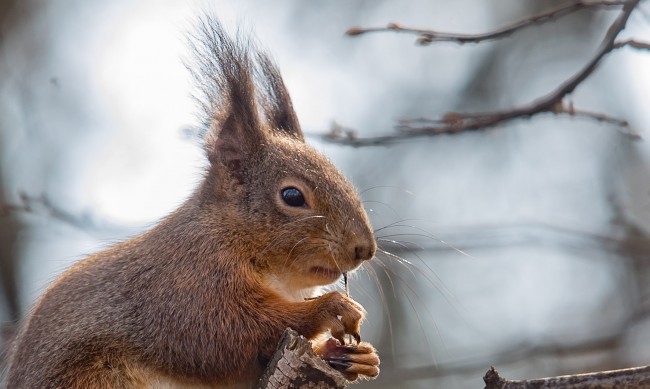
[202, 298]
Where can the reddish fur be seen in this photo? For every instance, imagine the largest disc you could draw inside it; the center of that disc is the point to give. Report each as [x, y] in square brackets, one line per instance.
[189, 300]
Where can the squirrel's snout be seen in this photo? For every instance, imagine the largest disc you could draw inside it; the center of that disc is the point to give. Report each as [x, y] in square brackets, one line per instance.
[362, 242]
[364, 252]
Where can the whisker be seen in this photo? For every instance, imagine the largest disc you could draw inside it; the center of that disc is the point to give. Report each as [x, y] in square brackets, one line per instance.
[407, 288]
[384, 238]
[389, 225]
[425, 234]
[397, 257]
[439, 284]
[329, 239]
[399, 260]
[364, 202]
[286, 261]
[387, 186]
[444, 289]
[448, 295]
[329, 251]
[385, 305]
[390, 279]
[358, 287]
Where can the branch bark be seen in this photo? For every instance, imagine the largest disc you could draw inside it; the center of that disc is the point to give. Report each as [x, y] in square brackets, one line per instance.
[295, 365]
[633, 378]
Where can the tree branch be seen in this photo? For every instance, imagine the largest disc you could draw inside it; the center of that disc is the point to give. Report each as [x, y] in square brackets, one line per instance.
[295, 365]
[43, 205]
[426, 37]
[553, 102]
[633, 44]
[31, 204]
[638, 377]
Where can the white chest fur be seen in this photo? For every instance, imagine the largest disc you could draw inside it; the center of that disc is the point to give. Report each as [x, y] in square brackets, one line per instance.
[286, 290]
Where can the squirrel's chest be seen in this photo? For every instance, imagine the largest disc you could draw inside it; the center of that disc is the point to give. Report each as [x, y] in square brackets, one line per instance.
[289, 292]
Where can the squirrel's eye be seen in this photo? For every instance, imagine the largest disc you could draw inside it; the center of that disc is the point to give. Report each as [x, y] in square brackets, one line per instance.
[293, 197]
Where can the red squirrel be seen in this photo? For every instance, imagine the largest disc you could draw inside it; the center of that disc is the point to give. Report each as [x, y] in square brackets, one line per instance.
[202, 299]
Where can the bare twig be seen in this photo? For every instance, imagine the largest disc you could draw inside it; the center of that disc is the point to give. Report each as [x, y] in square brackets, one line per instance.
[638, 377]
[553, 102]
[635, 44]
[42, 205]
[568, 109]
[597, 116]
[426, 37]
[32, 204]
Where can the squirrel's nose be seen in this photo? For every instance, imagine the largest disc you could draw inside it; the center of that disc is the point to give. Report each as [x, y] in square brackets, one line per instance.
[364, 252]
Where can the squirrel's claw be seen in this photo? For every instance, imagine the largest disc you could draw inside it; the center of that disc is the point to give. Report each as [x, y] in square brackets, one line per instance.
[339, 365]
[342, 315]
[343, 367]
[353, 361]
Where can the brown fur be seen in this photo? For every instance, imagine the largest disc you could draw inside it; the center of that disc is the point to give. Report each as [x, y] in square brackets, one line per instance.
[195, 300]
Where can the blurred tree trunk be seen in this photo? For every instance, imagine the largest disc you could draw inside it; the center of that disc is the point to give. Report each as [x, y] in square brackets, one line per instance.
[12, 13]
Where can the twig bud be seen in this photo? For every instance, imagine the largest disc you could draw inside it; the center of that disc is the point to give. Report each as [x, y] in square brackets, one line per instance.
[424, 39]
[353, 31]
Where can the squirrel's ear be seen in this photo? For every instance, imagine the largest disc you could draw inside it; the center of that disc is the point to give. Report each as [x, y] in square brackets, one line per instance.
[236, 139]
[276, 101]
[235, 131]
[224, 72]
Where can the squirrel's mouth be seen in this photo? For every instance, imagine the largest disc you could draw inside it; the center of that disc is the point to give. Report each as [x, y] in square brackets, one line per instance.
[325, 273]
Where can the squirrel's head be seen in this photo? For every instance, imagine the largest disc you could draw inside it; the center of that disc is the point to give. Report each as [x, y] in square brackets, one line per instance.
[289, 209]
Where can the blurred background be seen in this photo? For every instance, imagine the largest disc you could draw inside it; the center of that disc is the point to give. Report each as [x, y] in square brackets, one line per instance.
[524, 247]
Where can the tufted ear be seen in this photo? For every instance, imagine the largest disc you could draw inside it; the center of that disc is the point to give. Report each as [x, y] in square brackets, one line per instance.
[224, 73]
[277, 105]
[235, 130]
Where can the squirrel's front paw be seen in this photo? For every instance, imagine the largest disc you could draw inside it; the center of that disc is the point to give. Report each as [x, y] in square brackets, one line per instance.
[353, 361]
[342, 315]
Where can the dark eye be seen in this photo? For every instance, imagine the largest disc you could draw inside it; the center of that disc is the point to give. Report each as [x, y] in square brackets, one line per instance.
[293, 197]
